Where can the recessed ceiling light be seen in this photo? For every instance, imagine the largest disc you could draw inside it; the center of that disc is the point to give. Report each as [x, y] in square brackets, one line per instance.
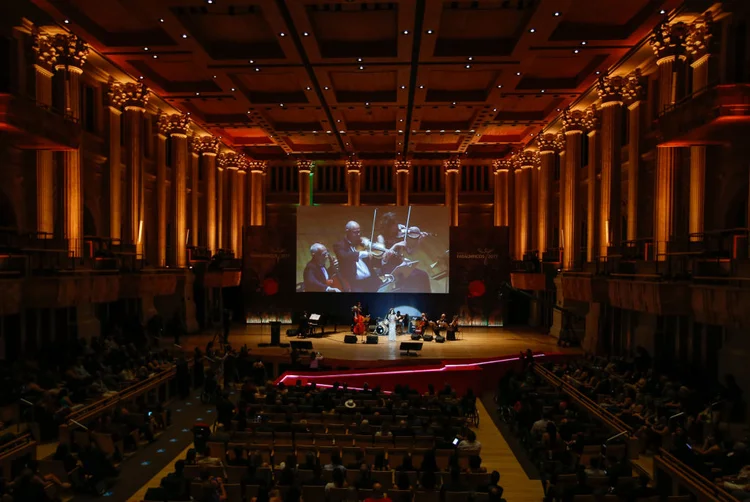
[326, 88]
[342, 132]
[209, 1]
[161, 19]
[214, 76]
[248, 111]
[400, 120]
[252, 61]
[662, 11]
[401, 131]
[338, 120]
[184, 35]
[141, 77]
[583, 42]
[429, 32]
[598, 72]
[532, 30]
[305, 34]
[66, 21]
[428, 131]
[558, 109]
[518, 74]
[458, 130]
[197, 93]
[500, 86]
[472, 130]
[470, 58]
[233, 89]
[442, 130]
[347, 144]
[145, 48]
[257, 69]
[494, 109]
[188, 113]
[454, 103]
[542, 90]
[575, 51]
[403, 87]
[557, 14]
[477, 135]
[156, 56]
[405, 32]
[367, 103]
[282, 34]
[359, 60]
[328, 132]
[361, 67]
[468, 66]
[421, 87]
[308, 88]
[281, 104]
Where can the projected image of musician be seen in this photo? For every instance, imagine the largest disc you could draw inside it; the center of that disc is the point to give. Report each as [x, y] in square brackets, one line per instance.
[317, 277]
[397, 242]
[354, 256]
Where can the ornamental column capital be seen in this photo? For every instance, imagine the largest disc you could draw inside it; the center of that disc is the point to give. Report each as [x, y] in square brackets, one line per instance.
[699, 36]
[502, 165]
[452, 165]
[228, 160]
[207, 145]
[526, 159]
[633, 91]
[136, 96]
[669, 41]
[175, 124]
[305, 166]
[116, 96]
[242, 163]
[45, 50]
[611, 90]
[257, 166]
[549, 143]
[576, 121]
[353, 166]
[71, 52]
[402, 166]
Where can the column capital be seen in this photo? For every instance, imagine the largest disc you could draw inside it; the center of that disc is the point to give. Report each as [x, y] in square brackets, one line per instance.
[402, 166]
[116, 96]
[71, 52]
[174, 124]
[549, 143]
[228, 160]
[668, 41]
[45, 50]
[452, 165]
[243, 162]
[699, 36]
[354, 166]
[502, 165]
[207, 145]
[305, 166]
[257, 166]
[611, 90]
[136, 96]
[526, 159]
[579, 121]
[633, 91]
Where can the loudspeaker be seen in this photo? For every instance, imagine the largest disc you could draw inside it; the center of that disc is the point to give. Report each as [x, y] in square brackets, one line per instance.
[350, 338]
[451, 336]
[415, 336]
[372, 339]
[275, 333]
[427, 338]
[292, 332]
[409, 346]
[301, 344]
[438, 339]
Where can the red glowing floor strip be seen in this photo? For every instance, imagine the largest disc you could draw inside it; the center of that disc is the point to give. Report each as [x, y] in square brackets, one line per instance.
[445, 367]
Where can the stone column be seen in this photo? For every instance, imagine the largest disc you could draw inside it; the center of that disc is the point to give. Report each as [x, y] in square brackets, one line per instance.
[611, 91]
[525, 162]
[502, 170]
[593, 190]
[209, 148]
[195, 200]
[304, 173]
[452, 168]
[403, 168]
[549, 145]
[634, 95]
[235, 230]
[220, 234]
[136, 97]
[46, 59]
[161, 190]
[116, 102]
[228, 164]
[574, 127]
[178, 133]
[668, 42]
[257, 195]
[697, 43]
[240, 209]
[561, 199]
[353, 180]
[72, 53]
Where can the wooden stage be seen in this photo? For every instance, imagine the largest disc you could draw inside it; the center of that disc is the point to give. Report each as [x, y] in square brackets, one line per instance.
[474, 342]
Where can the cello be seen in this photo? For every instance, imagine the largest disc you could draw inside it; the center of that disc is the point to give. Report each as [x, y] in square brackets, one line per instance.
[360, 324]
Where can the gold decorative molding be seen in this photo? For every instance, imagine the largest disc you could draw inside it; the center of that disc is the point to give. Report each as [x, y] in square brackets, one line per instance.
[116, 95]
[136, 96]
[175, 124]
[611, 90]
[354, 166]
[525, 159]
[71, 52]
[452, 165]
[699, 36]
[305, 166]
[257, 166]
[207, 145]
[633, 91]
[228, 160]
[549, 143]
[402, 166]
[45, 50]
[574, 121]
[502, 165]
[669, 41]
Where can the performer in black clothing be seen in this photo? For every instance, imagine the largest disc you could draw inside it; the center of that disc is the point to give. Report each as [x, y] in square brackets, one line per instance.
[355, 263]
[316, 275]
[408, 278]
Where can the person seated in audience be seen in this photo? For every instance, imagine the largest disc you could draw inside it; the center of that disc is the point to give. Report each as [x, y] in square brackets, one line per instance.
[310, 461]
[594, 468]
[494, 483]
[470, 444]
[429, 462]
[428, 481]
[454, 483]
[225, 411]
[211, 488]
[377, 494]
[62, 454]
[237, 457]
[359, 460]
[406, 464]
[495, 494]
[403, 429]
[475, 465]
[540, 426]
[402, 481]
[338, 480]
[335, 463]
[364, 481]
[384, 431]
[580, 488]
[175, 484]
[380, 463]
[288, 472]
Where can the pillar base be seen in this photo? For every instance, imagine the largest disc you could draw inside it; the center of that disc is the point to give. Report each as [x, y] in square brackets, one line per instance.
[87, 322]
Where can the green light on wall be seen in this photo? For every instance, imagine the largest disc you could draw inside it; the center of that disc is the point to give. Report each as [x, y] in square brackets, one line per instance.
[312, 173]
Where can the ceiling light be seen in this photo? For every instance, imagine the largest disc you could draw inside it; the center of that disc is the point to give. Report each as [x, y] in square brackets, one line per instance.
[328, 132]
[197, 93]
[156, 56]
[421, 87]
[252, 61]
[494, 109]
[400, 120]
[557, 14]
[429, 32]
[405, 32]
[342, 132]
[472, 130]
[305, 34]
[141, 77]
[598, 72]
[428, 131]
[359, 60]
[339, 120]
[468, 66]
[470, 58]
[308, 88]
[361, 67]
[161, 19]
[145, 48]
[281, 105]
[326, 88]
[500, 86]
[248, 111]
[558, 109]
[542, 90]
[347, 144]
[367, 103]
[532, 30]
[662, 11]
[458, 130]
[188, 113]
[209, 1]
[66, 21]
[583, 42]
[575, 51]
[233, 89]
[257, 69]
[403, 87]
[184, 35]
[214, 76]
[518, 74]
[454, 103]
[401, 131]
[282, 34]
[477, 135]
[442, 130]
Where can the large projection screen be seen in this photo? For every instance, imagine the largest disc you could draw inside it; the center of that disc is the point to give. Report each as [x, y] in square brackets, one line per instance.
[373, 249]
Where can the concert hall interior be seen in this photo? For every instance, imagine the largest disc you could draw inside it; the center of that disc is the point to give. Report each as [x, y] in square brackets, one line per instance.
[226, 211]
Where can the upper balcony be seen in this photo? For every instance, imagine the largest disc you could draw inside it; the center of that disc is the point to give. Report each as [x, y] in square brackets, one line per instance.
[35, 127]
[713, 115]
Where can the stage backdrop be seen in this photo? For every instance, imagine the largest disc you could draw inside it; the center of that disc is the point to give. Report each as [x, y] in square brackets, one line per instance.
[478, 264]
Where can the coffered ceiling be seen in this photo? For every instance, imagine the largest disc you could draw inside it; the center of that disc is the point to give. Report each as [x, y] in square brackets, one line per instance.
[424, 78]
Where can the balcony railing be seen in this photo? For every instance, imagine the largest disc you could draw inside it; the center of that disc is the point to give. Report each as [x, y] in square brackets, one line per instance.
[36, 126]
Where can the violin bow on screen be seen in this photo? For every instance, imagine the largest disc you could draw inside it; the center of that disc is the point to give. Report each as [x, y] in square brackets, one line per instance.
[406, 230]
[372, 234]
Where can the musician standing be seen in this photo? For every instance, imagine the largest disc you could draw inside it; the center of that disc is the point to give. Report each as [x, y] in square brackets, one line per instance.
[316, 274]
[354, 264]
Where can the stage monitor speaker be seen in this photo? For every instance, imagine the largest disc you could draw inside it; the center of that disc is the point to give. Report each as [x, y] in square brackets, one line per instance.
[372, 339]
[292, 332]
[409, 346]
[275, 333]
[427, 338]
[301, 345]
[350, 339]
[416, 336]
[440, 339]
[451, 336]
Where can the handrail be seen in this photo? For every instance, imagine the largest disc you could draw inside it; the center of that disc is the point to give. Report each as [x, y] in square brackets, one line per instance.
[692, 480]
[608, 418]
[19, 447]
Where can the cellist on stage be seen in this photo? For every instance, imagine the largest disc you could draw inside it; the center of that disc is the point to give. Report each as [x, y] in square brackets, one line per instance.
[359, 325]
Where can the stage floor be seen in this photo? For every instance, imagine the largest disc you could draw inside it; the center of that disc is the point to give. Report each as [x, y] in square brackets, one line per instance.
[474, 342]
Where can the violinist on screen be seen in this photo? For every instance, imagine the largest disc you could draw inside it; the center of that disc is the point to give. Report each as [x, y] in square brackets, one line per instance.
[354, 260]
[316, 275]
[408, 278]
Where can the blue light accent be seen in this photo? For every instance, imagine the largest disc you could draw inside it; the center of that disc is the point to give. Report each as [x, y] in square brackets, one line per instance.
[185, 430]
[178, 410]
[209, 411]
[107, 494]
[145, 463]
[188, 403]
[160, 450]
[173, 440]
